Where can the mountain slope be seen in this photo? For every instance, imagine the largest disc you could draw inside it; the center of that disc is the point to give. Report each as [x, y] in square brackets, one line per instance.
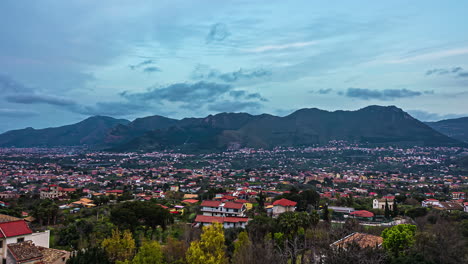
[456, 128]
[373, 124]
[90, 131]
[125, 132]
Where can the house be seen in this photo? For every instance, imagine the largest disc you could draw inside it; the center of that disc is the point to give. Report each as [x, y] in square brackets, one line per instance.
[16, 230]
[380, 203]
[465, 207]
[56, 192]
[431, 203]
[283, 205]
[458, 195]
[360, 239]
[450, 206]
[228, 222]
[343, 210]
[83, 202]
[223, 209]
[362, 215]
[28, 252]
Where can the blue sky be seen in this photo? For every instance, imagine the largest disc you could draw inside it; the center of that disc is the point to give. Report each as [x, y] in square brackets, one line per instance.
[62, 61]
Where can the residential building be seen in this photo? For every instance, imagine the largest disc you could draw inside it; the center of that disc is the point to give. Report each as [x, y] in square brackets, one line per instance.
[283, 205]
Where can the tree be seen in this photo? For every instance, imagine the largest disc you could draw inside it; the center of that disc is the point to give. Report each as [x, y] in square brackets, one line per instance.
[93, 255]
[397, 239]
[210, 249]
[241, 249]
[120, 246]
[149, 253]
[395, 209]
[174, 251]
[326, 213]
[387, 210]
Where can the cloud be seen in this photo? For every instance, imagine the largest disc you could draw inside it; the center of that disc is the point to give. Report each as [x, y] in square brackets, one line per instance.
[141, 64]
[428, 116]
[455, 71]
[241, 94]
[198, 96]
[322, 91]
[196, 93]
[281, 46]
[9, 85]
[151, 69]
[233, 106]
[218, 32]
[15, 113]
[39, 99]
[203, 72]
[384, 95]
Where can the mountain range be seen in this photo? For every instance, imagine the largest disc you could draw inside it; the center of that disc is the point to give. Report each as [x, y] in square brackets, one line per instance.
[376, 125]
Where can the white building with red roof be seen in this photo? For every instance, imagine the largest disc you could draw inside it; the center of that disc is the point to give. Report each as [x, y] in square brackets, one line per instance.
[16, 230]
[223, 209]
[283, 205]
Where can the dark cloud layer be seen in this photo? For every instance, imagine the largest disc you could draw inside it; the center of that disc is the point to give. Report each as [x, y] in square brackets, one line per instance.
[384, 95]
[39, 99]
[200, 92]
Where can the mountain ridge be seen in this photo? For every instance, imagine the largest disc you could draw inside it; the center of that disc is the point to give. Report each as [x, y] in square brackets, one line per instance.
[373, 124]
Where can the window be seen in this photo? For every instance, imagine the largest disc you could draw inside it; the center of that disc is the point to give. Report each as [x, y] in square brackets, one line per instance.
[21, 239]
[1, 244]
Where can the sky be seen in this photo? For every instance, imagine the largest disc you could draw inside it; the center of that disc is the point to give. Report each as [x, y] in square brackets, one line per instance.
[63, 61]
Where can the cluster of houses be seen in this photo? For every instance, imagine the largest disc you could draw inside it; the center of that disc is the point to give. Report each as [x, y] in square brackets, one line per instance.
[19, 244]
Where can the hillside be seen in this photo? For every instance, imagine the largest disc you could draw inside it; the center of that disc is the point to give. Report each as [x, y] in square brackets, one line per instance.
[373, 125]
[456, 128]
[90, 131]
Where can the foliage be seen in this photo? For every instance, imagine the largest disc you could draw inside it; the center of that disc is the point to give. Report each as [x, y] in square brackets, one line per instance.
[399, 238]
[93, 255]
[149, 253]
[130, 215]
[46, 212]
[120, 246]
[210, 249]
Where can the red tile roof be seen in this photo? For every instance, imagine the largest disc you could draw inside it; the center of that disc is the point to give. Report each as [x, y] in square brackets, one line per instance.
[211, 203]
[191, 201]
[14, 228]
[285, 202]
[232, 205]
[362, 213]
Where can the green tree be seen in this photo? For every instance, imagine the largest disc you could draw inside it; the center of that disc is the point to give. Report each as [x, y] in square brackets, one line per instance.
[120, 246]
[395, 208]
[241, 249]
[397, 239]
[387, 210]
[210, 249]
[149, 253]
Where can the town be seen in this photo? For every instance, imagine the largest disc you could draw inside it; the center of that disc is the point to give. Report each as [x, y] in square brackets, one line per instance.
[61, 205]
